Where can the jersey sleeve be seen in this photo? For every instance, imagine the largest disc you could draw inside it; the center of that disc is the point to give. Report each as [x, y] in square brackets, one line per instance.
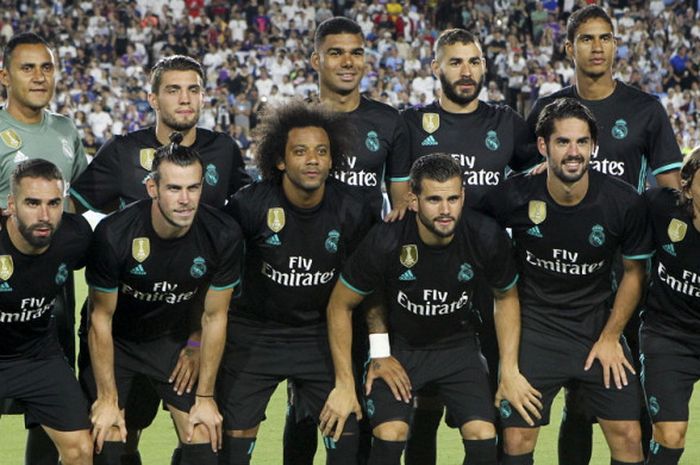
[398, 163]
[497, 260]
[495, 204]
[236, 208]
[102, 272]
[364, 269]
[80, 162]
[525, 154]
[83, 239]
[98, 187]
[664, 153]
[228, 270]
[238, 176]
[637, 241]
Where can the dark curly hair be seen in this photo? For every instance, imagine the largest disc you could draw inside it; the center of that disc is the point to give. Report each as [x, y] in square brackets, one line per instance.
[273, 130]
[691, 166]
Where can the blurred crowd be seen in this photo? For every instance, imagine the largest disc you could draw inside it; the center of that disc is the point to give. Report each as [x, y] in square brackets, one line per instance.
[257, 51]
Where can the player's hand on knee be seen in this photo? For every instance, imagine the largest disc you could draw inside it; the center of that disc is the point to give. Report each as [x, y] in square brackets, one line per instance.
[186, 372]
[608, 351]
[392, 372]
[206, 413]
[341, 402]
[105, 415]
[514, 388]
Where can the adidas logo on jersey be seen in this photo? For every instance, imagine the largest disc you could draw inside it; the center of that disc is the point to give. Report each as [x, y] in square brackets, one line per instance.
[670, 249]
[20, 157]
[535, 231]
[138, 270]
[429, 141]
[273, 240]
[4, 287]
[407, 276]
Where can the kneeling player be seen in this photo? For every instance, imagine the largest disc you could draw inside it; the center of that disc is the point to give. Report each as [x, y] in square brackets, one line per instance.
[40, 246]
[669, 334]
[568, 224]
[426, 265]
[150, 263]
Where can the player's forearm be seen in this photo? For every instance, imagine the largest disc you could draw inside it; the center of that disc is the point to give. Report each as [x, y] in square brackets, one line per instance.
[101, 347]
[212, 347]
[340, 342]
[398, 194]
[626, 300]
[670, 179]
[507, 322]
[376, 315]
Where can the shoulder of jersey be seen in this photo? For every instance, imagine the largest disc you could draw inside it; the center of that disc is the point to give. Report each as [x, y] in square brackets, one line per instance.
[125, 217]
[614, 184]
[59, 121]
[220, 220]
[369, 104]
[567, 91]
[662, 197]
[206, 137]
[77, 223]
[259, 188]
[631, 92]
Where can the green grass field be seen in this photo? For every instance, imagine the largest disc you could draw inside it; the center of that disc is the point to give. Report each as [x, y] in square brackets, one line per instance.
[158, 441]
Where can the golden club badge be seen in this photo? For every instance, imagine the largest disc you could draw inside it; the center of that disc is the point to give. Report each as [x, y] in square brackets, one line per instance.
[140, 249]
[146, 158]
[275, 219]
[409, 255]
[7, 267]
[431, 122]
[676, 230]
[11, 138]
[537, 211]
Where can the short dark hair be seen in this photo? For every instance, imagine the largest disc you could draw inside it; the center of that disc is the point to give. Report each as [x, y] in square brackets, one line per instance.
[173, 63]
[691, 166]
[564, 108]
[439, 167]
[273, 130]
[34, 168]
[454, 36]
[334, 26]
[176, 154]
[583, 15]
[22, 38]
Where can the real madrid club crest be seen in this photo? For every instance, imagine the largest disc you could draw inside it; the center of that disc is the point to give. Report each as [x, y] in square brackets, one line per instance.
[597, 236]
[466, 273]
[537, 211]
[409, 255]
[431, 122]
[198, 268]
[7, 267]
[11, 138]
[619, 131]
[492, 143]
[211, 176]
[275, 219]
[67, 149]
[332, 241]
[61, 274]
[140, 249]
[146, 158]
[676, 230]
[372, 141]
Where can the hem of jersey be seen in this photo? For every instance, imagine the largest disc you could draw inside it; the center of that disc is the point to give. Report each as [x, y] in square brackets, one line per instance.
[401, 179]
[638, 257]
[227, 286]
[510, 286]
[353, 288]
[109, 290]
[82, 200]
[669, 167]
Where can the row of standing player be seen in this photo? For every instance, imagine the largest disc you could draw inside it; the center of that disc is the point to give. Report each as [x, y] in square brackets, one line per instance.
[437, 120]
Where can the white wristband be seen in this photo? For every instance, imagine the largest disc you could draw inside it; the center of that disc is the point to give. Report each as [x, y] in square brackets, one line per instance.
[379, 346]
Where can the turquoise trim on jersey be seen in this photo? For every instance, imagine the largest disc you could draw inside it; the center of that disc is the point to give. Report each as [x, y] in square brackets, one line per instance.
[638, 257]
[82, 200]
[228, 286]
[641, 184]
[108, 290]
[353, 288]
[510, 286]
[404, 179]
[669, 167]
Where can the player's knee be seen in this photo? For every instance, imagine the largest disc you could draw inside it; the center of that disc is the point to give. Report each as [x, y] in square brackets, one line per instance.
[478, 430]
[625, 437]
[77, 453]
[519, 441]
[670, 435]
[392, 431]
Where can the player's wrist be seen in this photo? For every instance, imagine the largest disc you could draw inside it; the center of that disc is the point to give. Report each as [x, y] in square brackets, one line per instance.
[379, 345]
